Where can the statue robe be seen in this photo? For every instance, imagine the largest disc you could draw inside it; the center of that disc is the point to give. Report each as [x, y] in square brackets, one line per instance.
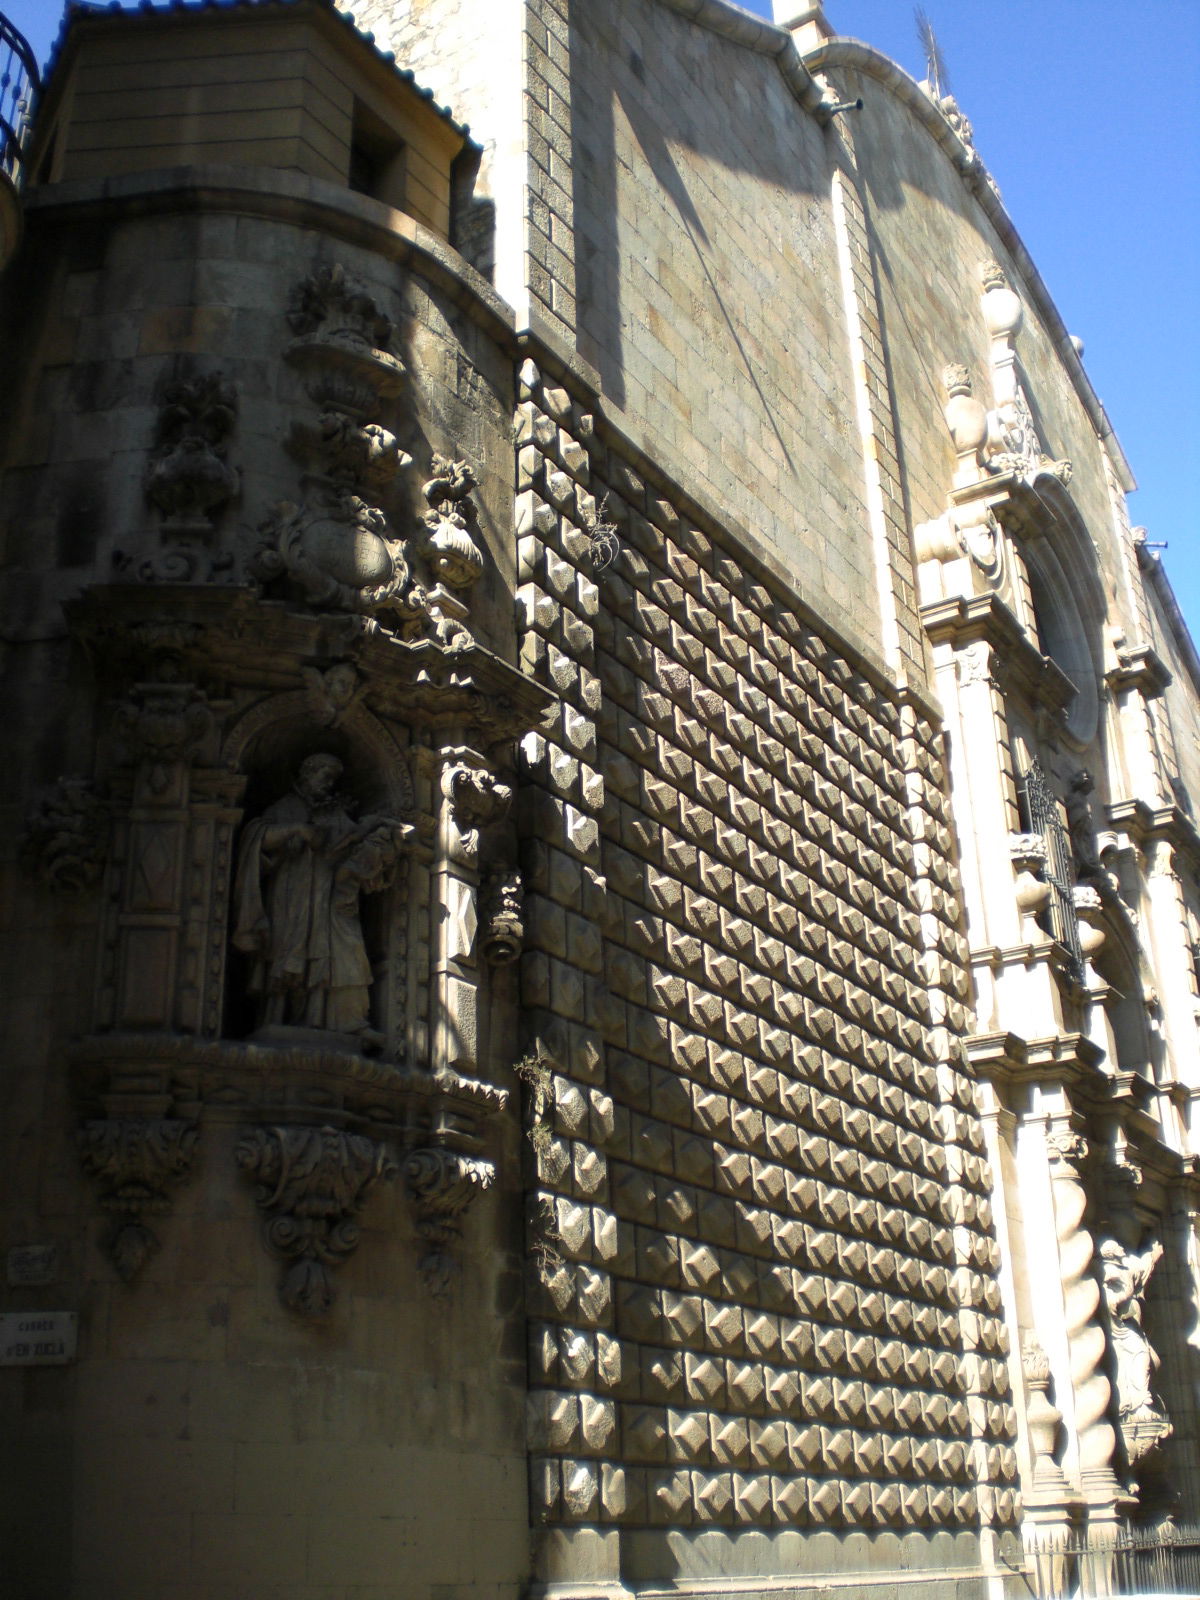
[310, 960]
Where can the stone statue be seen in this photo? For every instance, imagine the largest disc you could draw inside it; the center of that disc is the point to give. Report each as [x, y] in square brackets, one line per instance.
[1125, 1276]
[1081, 827]
[303, 868]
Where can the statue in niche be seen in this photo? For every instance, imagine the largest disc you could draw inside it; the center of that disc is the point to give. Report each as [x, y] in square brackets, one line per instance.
[1081, 828]
[1125, 1274]
[303, 868]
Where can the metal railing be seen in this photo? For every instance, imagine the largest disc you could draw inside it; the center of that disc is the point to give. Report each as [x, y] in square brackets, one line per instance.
[19, 81]
[1140, 1561]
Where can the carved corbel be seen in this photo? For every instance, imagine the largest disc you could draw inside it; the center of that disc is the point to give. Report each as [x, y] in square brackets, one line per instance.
[136, 1161]
[978, 662]
[1089, 915]
[67, 836]
[1028, 852]
[311, 1185]
[442, 1184]
[477, 799]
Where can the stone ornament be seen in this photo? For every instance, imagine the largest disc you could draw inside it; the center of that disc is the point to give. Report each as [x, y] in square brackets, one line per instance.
[337, 545]
[503, 898]
[453, 555]
[333, 694]
[162, 726]
[67, 836]
[135, 1162]
[1028, 852]
[1013, 442]
[331, 307]
[967, 420]
[189, 479]
[1043, 1418]
[1124, 1276]
[477, 799]
[1089, 917]
[302, 869]
[312, 1183]
[442, 1184]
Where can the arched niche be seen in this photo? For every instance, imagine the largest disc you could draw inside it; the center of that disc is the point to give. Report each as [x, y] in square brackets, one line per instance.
[1067, 599]
[1117, 966]
[361, 892]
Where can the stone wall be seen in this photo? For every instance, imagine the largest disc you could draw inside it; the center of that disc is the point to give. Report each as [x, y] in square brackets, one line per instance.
[709, 293]
[209, 1440]
[766, 1294]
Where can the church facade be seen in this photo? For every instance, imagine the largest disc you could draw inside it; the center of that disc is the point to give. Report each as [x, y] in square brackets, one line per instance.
[602, 895]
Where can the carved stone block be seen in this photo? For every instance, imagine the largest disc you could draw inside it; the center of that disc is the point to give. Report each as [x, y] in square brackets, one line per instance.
[311, 1184]
[135, 1162]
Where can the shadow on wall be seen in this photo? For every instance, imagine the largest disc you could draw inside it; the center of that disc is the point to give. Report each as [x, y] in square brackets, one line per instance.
[712, 121]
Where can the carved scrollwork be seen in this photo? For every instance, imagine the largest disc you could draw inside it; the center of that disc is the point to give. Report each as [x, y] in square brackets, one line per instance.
[311, 1184]
[135, 1162]
[503, 897]
[341, 554]
[442, 1184]
[163, 724]
[477, 799]
[67, 835]
[188, 478]
[1067, 1149]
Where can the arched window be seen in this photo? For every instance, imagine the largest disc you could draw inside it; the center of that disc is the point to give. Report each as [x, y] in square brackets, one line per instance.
[1067, 634]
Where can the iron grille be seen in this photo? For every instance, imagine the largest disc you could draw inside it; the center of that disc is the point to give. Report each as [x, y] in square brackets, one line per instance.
[1138, 1561]
[1043, 814]
[18, 86]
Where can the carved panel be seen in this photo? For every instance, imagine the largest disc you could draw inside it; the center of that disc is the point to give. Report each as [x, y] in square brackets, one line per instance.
[311, 1183]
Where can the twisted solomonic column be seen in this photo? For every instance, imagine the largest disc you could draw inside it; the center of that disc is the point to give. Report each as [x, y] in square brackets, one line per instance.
[1095, 1434]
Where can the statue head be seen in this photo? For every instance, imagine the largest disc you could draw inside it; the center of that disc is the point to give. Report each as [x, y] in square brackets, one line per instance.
[318, 774]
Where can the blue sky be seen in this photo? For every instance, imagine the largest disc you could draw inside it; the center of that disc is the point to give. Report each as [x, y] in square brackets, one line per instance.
[1087, 113]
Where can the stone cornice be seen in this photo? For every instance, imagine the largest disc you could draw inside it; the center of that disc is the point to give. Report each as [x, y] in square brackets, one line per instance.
[1150, 824]
[1141, 669]
[280, 195]
[1013, 1065]
[960, 621]
[754, 33]
[232, 1080]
